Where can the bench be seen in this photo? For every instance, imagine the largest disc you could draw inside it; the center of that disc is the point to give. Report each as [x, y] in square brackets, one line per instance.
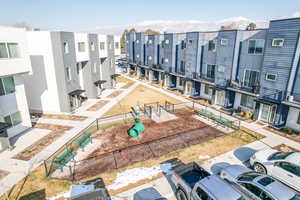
[205, 114]
[64, 158]
[224, 122]
[84, 140]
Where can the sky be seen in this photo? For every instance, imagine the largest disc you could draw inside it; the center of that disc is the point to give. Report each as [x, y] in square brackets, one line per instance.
[76, 15]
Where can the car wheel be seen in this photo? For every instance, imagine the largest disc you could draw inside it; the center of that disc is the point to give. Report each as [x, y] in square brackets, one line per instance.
[259, 168]
[180, 195]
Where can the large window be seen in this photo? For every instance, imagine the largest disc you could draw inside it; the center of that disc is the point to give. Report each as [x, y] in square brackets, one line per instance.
[271, 77]
[277, 42]
[210, 73]
[9, 50]
[7, 85]
[298, 121]
[251, 78]
[13, 119]
[81, 46]
[68, 72]
[256, 46]
[102, 45]
[116, 45]
[95, 67]
[212, 45]
[247, 101]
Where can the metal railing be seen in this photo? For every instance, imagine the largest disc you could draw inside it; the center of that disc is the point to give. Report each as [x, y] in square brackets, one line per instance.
[272, 95]
[252, 88]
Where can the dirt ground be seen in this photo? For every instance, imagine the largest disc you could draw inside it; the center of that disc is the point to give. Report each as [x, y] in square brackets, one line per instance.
[140, 95]
[32, 150]
[97, 106]
[63, 117]
[114, 94]
[3, 174]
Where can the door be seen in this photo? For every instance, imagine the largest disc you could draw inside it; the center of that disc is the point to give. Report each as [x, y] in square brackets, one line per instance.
[220, 98]
[267, 113]
[288, 173]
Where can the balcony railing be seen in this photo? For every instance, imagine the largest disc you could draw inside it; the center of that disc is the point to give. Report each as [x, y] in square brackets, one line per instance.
[292, 97]
[224, 83]
[243, 86]
[208, 78]
[273, 95]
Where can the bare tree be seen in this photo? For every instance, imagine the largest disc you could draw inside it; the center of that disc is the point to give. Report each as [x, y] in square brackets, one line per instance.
[251, 26]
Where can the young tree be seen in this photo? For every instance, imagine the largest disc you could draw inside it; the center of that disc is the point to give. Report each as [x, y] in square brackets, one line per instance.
[251, 26]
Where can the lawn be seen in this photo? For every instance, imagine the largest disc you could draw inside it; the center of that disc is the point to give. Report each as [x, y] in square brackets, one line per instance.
[36, 181]
[139, 96]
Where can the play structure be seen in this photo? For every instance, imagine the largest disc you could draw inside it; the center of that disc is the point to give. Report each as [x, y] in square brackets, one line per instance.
[138, 128]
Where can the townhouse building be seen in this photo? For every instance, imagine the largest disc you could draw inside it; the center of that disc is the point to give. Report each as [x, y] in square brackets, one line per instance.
[67, 69]
[14, 64]
[254, 71]
[117, 46]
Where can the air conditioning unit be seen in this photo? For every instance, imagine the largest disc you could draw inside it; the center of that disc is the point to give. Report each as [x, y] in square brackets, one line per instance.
[290, 98]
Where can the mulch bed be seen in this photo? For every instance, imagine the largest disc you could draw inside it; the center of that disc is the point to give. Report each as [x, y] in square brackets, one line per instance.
[114, 94]
[119, 150]
[63, 117]
[285, 148]
[38, 146]
[295, 137]
[3, 174]
[97, 106]
[128, 85]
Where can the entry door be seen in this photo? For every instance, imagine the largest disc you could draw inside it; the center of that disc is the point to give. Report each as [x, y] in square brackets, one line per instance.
[267, 113]
[220, 98]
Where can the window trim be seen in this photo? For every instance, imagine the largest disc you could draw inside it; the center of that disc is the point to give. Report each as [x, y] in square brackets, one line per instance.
[215, 49]
[214, 71]
[277, 39]
[8, 53]
[298, 121]
[248, 69]
[255, 47]
[224, 39]
[271, 75]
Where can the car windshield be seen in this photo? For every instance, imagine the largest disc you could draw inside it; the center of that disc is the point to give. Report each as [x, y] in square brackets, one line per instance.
[266, 181]
[249, 176]
[296, 198]
[280, 155]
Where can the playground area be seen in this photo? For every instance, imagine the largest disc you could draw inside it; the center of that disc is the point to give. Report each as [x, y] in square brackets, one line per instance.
[139, 96]
[110, 148]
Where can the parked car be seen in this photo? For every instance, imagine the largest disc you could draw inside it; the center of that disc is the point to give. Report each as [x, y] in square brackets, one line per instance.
[193, 182]
[257, 186]
[285, 166]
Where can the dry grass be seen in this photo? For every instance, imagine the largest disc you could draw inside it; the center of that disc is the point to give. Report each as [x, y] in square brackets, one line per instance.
[285, 148]
[293, 135]
[140, 95]
[122, 79]
[128, 85]
[32, 150]
[36, 181]
[97, 105]
[114, 94]
[64, 117]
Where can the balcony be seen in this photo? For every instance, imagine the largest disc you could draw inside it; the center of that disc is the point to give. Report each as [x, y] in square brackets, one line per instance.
[223, 84]
[272, 95]
[254, 88]
[208, 77]
[195, 75]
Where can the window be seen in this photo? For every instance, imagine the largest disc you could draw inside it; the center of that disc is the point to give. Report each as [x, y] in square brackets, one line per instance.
[162, 60]
[210, 71]
[9, 50]
[211, 45]
[167, 41]
[247, 101]
[256, 46]
[298, 121]
[251, 78]
[277, 42]
[92, 46]
[81, 46]
[202, 194]
[102, 45]
[183, 44]
[182, 66]
[271, 77]
[294, 169]
[66, 47]
[68, 72]
[137, 55]
[266, 181]
[7, 85]
[224, 42]
[116, 45]
[77, 68]
[13, 119]
[149, 41]
[221, 68]
[13, 50]
[95, 67]
[279, 155]
[190, 41]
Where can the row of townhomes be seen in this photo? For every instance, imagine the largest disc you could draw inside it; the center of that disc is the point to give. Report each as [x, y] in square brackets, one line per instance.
[254, 71]
[45, 71]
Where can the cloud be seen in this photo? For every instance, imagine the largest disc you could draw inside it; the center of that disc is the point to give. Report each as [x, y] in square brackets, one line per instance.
[184, 25]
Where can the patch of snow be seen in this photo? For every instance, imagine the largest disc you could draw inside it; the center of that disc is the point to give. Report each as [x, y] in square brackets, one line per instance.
[65, 195]
[203, 157]
[136, 174]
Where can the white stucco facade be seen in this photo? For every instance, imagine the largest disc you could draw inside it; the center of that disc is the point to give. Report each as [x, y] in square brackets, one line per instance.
[292, 120]
[13, 103]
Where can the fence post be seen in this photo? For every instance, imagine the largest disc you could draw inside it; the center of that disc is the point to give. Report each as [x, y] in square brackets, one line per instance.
[46, 169]
[97, 124]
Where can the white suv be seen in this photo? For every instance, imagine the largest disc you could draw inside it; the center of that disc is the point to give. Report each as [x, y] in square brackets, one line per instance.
[285, 166]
